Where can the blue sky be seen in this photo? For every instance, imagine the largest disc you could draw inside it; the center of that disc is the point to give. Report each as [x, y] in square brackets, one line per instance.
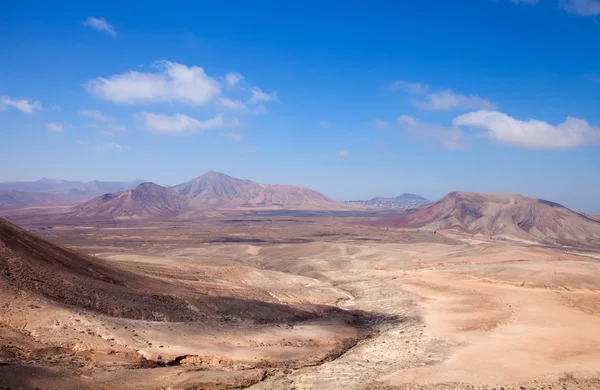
[354, 99]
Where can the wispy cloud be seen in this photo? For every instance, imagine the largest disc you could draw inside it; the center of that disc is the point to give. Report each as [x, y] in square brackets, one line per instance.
[24, 105]
[582, 7]
[56, 108]
[177, 123]
[107, 125]
[577, 7]
[449, 100]
[324, 124]
[593, 77]
[531, 134]
[233, 78]
[234, 136]
[231, 104]
[99, 24]
[380, 123]
[55, 127]
[449, 137]
[110, 147]
[531, 2]
[93, 114]
[411, 87]
[258, 96]
[343, 153]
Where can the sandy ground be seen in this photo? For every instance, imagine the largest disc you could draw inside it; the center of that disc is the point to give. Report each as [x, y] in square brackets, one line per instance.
[447, 312]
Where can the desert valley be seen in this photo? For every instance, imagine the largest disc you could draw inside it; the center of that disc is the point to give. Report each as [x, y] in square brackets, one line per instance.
[222, 283]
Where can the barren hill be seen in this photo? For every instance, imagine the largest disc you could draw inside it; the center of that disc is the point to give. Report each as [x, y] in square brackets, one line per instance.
[220, 190]
[505, 216]
[147, 200]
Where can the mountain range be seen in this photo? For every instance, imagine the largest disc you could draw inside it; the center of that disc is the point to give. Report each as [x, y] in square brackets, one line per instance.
[404, 201]
[204, 195]
[56, 186]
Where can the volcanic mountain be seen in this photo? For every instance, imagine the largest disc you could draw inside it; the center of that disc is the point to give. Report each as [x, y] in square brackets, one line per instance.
[147, 200]
[219, 190]
[508, 216]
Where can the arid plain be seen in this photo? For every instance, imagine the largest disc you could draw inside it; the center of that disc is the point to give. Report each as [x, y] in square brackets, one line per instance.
[333, 300]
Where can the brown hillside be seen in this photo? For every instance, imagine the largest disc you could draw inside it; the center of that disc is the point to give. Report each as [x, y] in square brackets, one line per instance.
[505, 216]
[147, 200]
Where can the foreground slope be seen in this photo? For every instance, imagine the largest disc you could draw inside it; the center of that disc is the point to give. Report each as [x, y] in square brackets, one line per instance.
[147, 200]
[30, 263]
[505, 216]
[222, 191]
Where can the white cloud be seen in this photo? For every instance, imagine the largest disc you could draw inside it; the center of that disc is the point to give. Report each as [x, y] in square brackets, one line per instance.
[110, 147]
[83, 142]
[582, 7]
[343, 153]
[531, 134]
[449, 137]
[177, 123]
[93, 114]
[258, 95]
[23, 105]
[56, 108]
[233, 78]
[99, 24]
[235, 122]
[55, 127]
[411, 87]
[174, 83]
[380, 123]
[324, 124]
[231, 104]
[449, 100]
[107, 133]
[234, 136]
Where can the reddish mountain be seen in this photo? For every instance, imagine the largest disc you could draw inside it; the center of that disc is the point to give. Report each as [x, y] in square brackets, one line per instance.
[147, 200]
[219, 190]
[505, 216]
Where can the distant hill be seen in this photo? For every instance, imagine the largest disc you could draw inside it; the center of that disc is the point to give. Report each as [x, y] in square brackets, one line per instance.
[147, 200]
[10, 199]
[222, 191]
[507, 216]
[69, 187]
[404, 201]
